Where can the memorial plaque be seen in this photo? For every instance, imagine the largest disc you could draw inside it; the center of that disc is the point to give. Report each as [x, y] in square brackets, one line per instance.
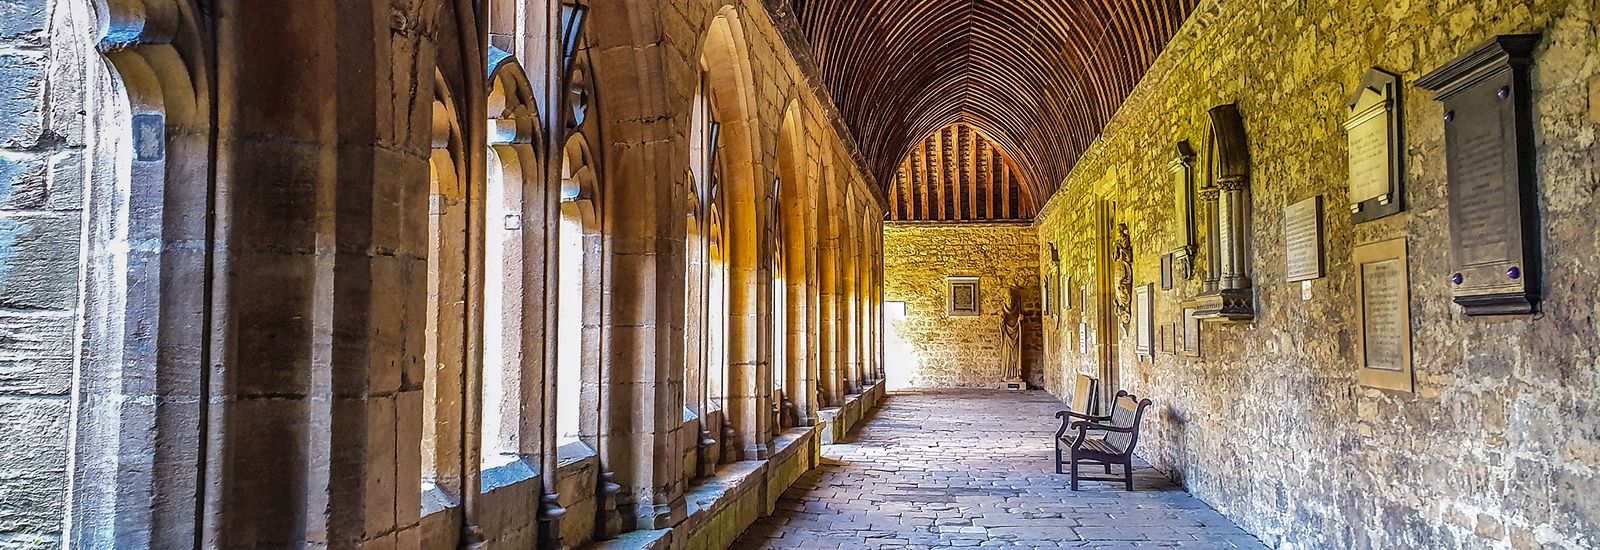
[1049, 291]
[149, 138]
[1492, 185]
[1191, 333]
[1302, 238]
[1384, 299]
[962, 299]
[1166, 271]
[1374, 145]
[1144, 320]
[1066, 292]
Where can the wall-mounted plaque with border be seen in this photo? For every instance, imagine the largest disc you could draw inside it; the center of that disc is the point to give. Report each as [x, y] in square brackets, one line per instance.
[1144, 320]
[1492, 185]
[1383, 300]
[1181, 170]
[961, 297]
[1066, 292]
[1191, 333]
[1166, 271]
[1048, 289]
[1302, 239]
[1083, 336]
[1373, 136]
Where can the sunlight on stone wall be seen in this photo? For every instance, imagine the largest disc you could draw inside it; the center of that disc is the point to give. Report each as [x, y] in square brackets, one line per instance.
[936, 350]
[1497, 447]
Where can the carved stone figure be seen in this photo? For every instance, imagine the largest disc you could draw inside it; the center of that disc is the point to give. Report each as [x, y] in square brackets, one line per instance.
[1122, 259]
[1011, 339]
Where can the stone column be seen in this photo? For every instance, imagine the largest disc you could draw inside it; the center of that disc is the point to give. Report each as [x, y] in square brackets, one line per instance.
[810, 389]
[830, 390]
[320, 286]
[643, 341]
[849, 305]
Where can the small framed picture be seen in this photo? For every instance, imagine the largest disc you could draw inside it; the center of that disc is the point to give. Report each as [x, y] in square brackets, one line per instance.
[1144, 320]
[962, 298]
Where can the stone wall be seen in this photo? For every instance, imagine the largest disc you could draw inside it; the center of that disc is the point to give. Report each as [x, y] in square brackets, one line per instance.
[944, 351]
[41, 200]
[1497, 447]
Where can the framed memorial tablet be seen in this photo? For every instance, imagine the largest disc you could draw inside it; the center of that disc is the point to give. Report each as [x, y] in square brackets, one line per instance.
[1383, 312]
[1491, 184]
[962, 297]
[1373, 140]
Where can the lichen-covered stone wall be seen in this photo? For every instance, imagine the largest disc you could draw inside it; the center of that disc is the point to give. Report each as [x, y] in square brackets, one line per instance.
[1499, 446]
[927, 348]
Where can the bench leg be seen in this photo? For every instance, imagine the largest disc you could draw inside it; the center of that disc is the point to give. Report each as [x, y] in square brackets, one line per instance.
[1127, 474]
[1058, 457]
[1108, 468]
[1074, 475]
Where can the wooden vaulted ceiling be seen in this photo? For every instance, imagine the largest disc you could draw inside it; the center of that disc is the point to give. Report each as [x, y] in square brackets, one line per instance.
[957, 174]
[1039, 77]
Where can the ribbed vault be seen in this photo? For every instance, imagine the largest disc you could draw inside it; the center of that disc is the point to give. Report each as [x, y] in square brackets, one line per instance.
[1040, 77]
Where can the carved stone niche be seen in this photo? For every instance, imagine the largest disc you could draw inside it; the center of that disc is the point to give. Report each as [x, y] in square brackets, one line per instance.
[1492, 184]
[1228, 294]
[1182, 171]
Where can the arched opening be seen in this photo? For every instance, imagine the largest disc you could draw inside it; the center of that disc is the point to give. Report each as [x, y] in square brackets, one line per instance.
[127, 451]
[716, 374]
[443, 351]
[513, 122]
[727, 79]
[849, 297]
[580, 268]
[778, 379]
[578, 293]
[790, 277]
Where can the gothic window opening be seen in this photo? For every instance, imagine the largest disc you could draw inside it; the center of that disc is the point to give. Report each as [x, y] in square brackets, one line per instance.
[579, 268]
[443, 352]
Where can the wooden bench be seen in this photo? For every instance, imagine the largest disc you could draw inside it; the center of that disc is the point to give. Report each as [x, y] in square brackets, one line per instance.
[1085, 398]
[1120, 432]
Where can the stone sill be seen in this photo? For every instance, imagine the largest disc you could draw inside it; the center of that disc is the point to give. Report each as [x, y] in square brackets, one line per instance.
[501, 472]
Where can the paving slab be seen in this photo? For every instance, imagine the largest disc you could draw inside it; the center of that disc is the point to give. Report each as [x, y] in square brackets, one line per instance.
[973, 469]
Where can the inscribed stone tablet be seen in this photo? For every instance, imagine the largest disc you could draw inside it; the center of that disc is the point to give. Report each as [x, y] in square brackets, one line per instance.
[1302, 232]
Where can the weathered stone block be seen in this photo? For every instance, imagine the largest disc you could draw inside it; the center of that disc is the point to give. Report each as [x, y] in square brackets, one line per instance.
[381, 461]
[39, 261]
[22, 98]
[33, 464]
[22, 22]
[65, 182]
[22, 181]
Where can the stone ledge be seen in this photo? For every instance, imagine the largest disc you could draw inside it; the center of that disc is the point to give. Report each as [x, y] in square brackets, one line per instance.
[722, 507]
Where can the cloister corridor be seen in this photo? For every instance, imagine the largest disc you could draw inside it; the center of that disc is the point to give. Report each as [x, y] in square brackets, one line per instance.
[972, 468]
[799, 274]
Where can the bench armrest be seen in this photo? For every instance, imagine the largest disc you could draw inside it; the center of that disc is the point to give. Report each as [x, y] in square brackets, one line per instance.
[1103, 427]
[1073, 414]
[1067, 422]
[1085, 427]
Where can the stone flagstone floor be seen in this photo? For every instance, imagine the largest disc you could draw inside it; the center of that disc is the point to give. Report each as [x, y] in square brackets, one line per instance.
[973, 469]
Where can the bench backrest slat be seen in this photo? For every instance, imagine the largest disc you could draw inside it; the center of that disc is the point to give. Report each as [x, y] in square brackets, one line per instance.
[1125, 413]
[1083, 395]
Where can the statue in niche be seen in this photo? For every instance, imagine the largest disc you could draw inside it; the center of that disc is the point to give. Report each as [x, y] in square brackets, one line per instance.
[1122, 258]
[1011, 340]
